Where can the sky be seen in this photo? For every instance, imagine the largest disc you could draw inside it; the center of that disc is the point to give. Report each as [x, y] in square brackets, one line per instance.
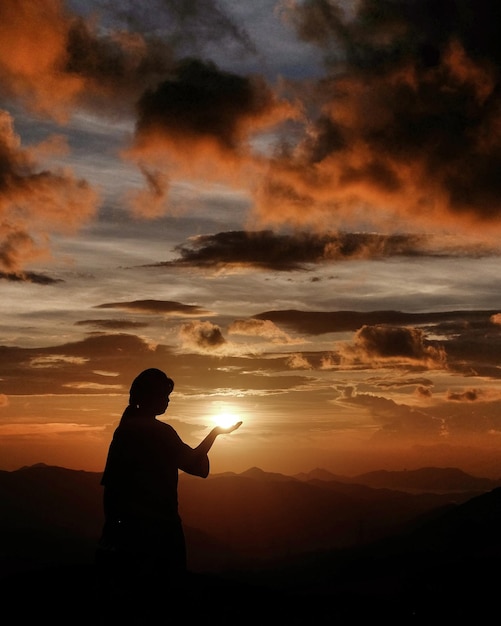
[291, 207]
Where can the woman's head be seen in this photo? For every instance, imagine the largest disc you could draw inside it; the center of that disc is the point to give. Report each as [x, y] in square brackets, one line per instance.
[150, 391]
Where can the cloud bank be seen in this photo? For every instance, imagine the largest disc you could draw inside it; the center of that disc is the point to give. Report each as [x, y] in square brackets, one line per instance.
[399, 132]
[406, 118]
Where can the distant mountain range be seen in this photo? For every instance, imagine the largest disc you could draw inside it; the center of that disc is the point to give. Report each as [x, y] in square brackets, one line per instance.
[377, 534]
[256, 516]
[432, 479]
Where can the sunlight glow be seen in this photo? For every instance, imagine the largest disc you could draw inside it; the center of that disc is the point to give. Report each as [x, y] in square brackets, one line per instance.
[225, 419]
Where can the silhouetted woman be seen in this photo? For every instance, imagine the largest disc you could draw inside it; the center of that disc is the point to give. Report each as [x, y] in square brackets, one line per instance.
[142, 542]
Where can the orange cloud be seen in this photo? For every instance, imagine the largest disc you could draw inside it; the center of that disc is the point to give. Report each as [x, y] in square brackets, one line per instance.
[203, 336]
[33, 38]
[496, 318]
[150, 201]
[259, 328]
[51, 60]
[35, 202]
[403, 127]
[407, 119]
[298, 362]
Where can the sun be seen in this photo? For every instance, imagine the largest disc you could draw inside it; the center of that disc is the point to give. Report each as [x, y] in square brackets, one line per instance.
[225, 419]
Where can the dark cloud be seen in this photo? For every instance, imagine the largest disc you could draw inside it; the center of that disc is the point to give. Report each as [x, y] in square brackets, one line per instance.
[474, 348]
[29, 277]
[423, 392]
[390, 343]
[111, 324]
[466, 342]
[318, 322]
[198, 123]
[402, 127]
[407, 117]
[199, 104]
[381, 34]
[165, 307]
[268, 250]
[420, 382]
[470, 395]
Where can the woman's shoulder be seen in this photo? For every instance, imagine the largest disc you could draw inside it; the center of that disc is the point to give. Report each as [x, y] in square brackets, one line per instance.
[151, 433]
[148, 425]
[164, 429]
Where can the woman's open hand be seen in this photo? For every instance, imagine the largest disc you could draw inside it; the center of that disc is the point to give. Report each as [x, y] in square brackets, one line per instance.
[225, 430]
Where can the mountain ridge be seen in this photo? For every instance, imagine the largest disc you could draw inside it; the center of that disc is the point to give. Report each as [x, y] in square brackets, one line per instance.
[306, 546]
[425, 478]
[444, 478]
[232, 520]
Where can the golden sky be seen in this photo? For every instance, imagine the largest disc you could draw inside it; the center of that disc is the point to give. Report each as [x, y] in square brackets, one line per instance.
[292, 208]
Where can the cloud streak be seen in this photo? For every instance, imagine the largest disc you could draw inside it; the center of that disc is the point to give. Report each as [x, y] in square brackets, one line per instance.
[268, 250]
[319, 322]
[163, 307]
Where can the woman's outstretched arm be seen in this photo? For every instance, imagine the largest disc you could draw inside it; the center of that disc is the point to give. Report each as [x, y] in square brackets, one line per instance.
[206, 444]
[199, 465]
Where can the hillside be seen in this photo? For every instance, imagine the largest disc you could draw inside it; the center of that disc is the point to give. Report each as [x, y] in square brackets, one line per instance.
[258, 516]
[277, 538]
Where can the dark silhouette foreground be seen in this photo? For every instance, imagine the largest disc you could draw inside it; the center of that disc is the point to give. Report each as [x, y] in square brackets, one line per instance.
[141, 556]
[443, 567]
